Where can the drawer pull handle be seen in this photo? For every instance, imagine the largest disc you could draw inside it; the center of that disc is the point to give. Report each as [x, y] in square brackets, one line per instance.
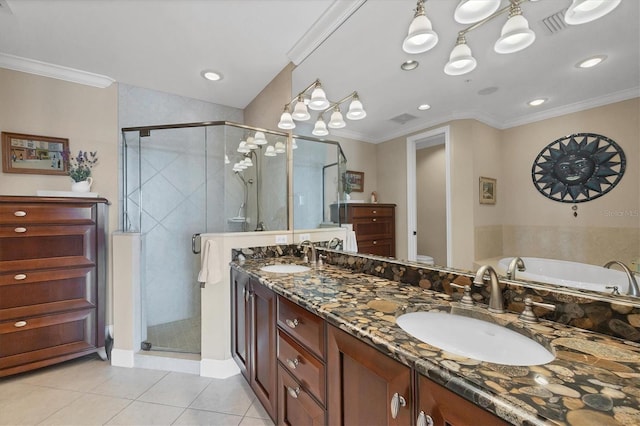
[20, 324]
[375, 211]
[292, 323]
[20, 277]
[20, 230]
[397, 401]
[375, 242]
[293, 392]
[424, 419]
[20, 213]
[293, 363]
[374, 219]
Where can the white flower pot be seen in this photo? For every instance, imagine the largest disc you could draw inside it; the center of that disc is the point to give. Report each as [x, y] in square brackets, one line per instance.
[84, 186]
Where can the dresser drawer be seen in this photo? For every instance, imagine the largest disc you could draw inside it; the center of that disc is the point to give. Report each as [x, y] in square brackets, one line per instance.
[375, 211]
[304, 326]
[33, 213]
[305, 367]
[35, 339]
[384, 247]
[295, 405]
[367, 229]
[44, 292]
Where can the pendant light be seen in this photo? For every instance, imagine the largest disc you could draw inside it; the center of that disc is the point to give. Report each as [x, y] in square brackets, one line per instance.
[260, 138]
[356, 110]
[516, 34]
[420, 37]
[472, 11]
[319, 101]
[336, 122]
[300, 112]
[461, 61]
[320, 129]
[286, 121]
[583, 11]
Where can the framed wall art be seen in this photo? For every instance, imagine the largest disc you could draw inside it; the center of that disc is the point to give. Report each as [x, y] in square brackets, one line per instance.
[487, 190]
[32, 154]
[355, 180]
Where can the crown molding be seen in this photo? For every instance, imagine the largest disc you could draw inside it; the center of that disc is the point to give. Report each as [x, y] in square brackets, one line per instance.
[45, 69]
[327, 23]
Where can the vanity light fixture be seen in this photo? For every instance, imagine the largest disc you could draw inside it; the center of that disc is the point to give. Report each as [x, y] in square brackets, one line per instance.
[211, 75]
[516, 34]
[472, 11]
[318, 102]
[583, 11]
[537, 102]
[591, 62]
[270, 151]
[461, 61]
[420, 36]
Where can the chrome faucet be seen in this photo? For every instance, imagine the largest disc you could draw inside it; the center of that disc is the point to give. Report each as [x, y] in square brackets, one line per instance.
[496, 303]
[516, 262]
[338, 243]
[633, 284]
[307, 243]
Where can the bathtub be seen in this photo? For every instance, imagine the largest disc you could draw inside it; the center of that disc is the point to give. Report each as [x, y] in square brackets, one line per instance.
[569, 274]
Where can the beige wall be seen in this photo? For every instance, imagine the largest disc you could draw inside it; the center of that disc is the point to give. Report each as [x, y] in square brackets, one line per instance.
[87, 116]
[361, 157]
[431, 192]
[265, 109]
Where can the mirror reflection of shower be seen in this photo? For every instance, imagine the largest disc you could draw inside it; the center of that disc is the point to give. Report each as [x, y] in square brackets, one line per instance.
[242, 211]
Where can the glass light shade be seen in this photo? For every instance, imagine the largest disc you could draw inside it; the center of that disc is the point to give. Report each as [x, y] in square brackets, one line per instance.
[226, 159]
[472, 11]
[583, 11]
[237, 168]
[260, 138]
[247, 162]
[280, 148]
[319, 99]
[300, 112]
[286, 121]
[420, 37]
[515, 35]
[294, 144]
[320, 129]
[337, 122]
[356, 111]
[251, 143]
[270, 151]
[461, 61]
[243, 148]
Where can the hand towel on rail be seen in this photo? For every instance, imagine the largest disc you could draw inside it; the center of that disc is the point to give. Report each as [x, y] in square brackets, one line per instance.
[210, 263]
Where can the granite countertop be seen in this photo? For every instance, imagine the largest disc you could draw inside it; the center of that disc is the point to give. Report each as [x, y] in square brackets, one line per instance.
[594, 379]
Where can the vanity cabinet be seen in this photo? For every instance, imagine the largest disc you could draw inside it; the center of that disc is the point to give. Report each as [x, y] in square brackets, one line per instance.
[52, 280]
[366, 387]
[374, 225]
[254, 337]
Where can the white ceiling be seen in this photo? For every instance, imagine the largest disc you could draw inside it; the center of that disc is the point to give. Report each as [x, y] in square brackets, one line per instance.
[164, 45]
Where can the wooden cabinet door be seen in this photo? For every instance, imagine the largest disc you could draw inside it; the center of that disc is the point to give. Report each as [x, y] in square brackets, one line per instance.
[445, 408]
[240, 321]
[263, 365]
[363, 382]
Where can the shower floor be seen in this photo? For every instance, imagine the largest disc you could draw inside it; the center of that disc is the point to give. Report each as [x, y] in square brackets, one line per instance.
[176, 336]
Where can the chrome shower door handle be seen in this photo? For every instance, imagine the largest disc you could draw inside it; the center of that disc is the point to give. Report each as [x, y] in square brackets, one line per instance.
[195, 237]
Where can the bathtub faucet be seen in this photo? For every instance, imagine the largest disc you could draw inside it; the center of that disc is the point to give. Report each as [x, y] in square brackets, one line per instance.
[633, 284]
[496, 303]
[516, 262]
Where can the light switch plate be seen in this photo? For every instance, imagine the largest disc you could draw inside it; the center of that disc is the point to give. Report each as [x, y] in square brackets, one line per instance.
[281, 239]
[302, 237]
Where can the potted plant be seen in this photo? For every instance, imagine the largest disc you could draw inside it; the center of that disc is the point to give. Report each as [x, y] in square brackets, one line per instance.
[346, 187]
[79, 169]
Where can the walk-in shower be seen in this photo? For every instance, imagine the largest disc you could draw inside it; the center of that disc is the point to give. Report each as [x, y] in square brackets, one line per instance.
[185, 179]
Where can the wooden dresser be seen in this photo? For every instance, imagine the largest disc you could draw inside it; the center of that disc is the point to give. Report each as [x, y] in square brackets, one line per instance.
[374, 225]
[52, 280]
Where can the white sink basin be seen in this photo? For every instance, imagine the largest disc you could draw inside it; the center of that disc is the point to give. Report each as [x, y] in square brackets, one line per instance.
[474, 338]
[285, 268]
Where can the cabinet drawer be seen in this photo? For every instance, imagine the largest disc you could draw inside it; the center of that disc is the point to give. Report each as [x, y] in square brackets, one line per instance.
[45, 247]
[306, 368]
[295, 405]
[374, 211]
[38, 213]
[372, 228]
[36, 339]
[304, 326]
[43, 292]
[377, 247]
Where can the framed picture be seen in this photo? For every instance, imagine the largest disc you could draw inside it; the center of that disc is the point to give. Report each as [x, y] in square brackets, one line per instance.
[32, 154]
[487, 190]
[356, 180]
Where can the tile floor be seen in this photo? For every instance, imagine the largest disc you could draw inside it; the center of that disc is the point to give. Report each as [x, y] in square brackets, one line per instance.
[89, 391]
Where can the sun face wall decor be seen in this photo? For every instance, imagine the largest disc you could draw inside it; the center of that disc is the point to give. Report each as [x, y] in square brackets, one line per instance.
[578, 168]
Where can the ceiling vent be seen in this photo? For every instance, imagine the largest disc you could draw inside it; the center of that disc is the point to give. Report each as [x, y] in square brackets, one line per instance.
[555, 23]
[403, 118]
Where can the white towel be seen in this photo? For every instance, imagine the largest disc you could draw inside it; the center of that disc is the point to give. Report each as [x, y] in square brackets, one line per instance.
[210, 263]
[350, 243]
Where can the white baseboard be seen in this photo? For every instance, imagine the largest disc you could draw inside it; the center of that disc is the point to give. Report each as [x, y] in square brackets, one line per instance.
[218, 369]
[168, 362]
[122, 358]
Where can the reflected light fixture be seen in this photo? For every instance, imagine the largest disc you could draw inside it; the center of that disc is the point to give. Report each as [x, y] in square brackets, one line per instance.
[420, 36]
[472, 11]
[280, 147]
[583, 11]
[260, 138]
[318, 101]
[270, 151]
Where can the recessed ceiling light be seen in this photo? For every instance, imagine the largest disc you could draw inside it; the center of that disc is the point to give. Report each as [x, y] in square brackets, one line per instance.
[537, 102]
[424, 107]
[212, 75]
[591, 62]
[409, 65]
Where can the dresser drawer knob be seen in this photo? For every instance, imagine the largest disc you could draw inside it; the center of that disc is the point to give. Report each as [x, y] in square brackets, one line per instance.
[20, 324]
[20, 230]
[292, 323]
[20, 213]
[374, 219]
[293, 392]
[375, 242]
[20, 277]
[375, 211]
[293, 363]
